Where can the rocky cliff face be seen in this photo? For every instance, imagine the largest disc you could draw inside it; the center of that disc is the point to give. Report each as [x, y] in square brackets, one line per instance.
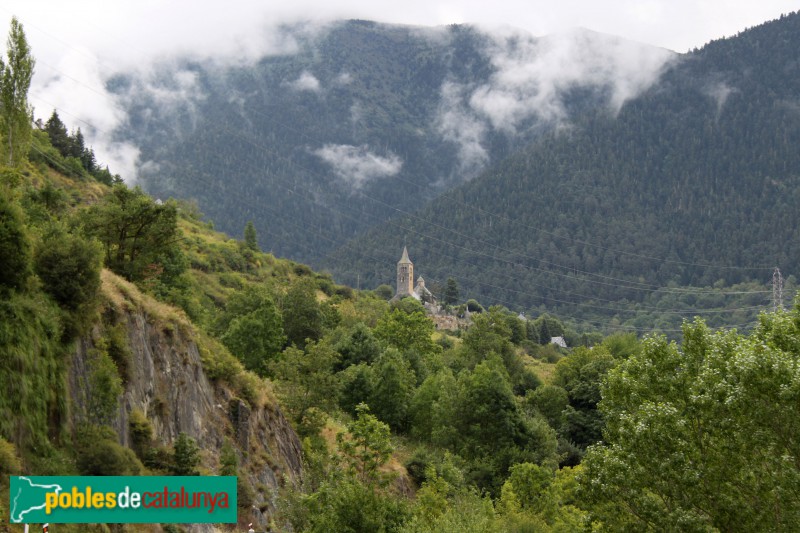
[166, 381]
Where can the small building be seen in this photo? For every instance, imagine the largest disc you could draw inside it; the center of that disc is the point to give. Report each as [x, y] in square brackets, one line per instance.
[558, 341]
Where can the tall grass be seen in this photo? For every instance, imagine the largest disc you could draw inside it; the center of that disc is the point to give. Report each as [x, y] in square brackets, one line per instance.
[33, 363]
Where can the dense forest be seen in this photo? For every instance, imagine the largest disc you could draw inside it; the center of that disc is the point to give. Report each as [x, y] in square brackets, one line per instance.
[250, 142]
[693, 184]
[358, 122]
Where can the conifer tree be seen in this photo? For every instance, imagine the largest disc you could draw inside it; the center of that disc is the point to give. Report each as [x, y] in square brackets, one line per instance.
[186, 456]
[57, 131]
[17, 114]
[451, 294]
[251, 237]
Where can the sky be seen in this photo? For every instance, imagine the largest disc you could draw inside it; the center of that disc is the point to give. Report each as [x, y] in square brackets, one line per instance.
[78, 44]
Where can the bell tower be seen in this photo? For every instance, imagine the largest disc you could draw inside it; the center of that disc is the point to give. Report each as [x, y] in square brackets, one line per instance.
[405, 276]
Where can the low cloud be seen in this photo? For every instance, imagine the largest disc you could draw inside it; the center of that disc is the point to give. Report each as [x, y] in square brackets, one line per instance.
[356, 165]
[719, 92]
[456, 122]
[345, 78]
[532, 76]
[82, 101]
[74, 79]
[306, 82]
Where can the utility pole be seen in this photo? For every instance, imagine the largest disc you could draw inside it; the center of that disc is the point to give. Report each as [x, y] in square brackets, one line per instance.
[777, 290]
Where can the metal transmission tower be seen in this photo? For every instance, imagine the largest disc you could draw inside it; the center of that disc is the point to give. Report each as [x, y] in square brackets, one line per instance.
[777, 290]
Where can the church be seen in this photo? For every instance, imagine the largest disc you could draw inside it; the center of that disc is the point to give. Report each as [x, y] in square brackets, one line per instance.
[405, 282]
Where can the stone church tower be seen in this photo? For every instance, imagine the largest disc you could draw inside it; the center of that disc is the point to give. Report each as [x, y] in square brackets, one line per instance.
[405, 276]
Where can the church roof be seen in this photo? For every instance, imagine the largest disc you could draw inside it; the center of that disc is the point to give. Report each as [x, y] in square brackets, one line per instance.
[405, 258]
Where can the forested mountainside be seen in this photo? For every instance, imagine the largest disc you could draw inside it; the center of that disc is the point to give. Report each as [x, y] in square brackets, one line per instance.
[355, 122]
[694, 183]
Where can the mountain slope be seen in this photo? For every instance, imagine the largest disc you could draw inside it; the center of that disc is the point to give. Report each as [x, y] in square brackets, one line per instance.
[696, 182]
[359, 120]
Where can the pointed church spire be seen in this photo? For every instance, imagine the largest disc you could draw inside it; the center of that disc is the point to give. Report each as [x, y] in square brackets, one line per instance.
[405, 258]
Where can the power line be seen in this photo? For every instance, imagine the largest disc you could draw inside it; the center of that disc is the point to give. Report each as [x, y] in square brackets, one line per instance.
[493, 256]
[450, 195]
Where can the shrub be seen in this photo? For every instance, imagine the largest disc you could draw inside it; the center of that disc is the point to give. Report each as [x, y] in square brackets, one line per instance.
[69, 267]
[9, 461]
[141, 432]
[98, 454]
[15, 247]
[105, 387]
[474, 307]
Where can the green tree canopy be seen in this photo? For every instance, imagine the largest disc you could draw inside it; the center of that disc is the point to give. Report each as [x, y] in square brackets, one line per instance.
[306, 378]
[134, 229]
[15, 247]
[256, 337]
[251, 237]
[186, 456]
[407, 331]
[360, 346]
[59, 136]
[702, 436]
[451, 293]
[393, 389]
[366, 446]
[581, 374]
[302, 315]
[15, 81]
[492, 432]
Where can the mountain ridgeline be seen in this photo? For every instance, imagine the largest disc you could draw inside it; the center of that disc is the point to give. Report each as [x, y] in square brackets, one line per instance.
[294, 140]
[354, 122]
[580, 173]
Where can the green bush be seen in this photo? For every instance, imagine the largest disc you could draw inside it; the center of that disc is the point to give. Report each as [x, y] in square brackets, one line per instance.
[141, 433]
[98, 454]
[105, 387]
[15, 247]
[116, 340]
[69, 267]
[474, 307]
[9, 461]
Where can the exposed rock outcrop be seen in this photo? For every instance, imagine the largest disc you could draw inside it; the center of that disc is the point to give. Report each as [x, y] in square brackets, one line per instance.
[166, 381]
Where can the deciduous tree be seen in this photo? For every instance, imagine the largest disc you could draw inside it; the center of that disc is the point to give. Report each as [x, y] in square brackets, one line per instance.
[702, 436]
[134, 230]
[367, 446]
[15, 81]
